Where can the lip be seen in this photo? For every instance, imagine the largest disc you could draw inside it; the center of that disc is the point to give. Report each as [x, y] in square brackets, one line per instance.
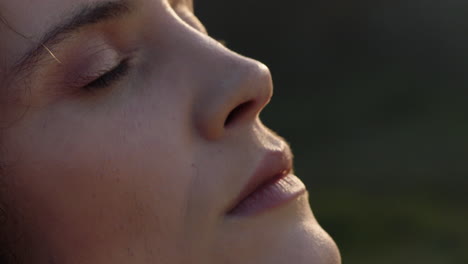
[271, 185]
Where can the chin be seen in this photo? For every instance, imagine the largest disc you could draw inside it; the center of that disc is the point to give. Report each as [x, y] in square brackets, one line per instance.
[308, 243]
[289, 234]
[303, 242]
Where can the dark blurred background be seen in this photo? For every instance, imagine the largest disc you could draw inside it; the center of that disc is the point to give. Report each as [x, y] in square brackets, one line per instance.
[373, 97]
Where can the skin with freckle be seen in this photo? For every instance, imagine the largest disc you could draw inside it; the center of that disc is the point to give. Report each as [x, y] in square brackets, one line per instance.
[131, 144]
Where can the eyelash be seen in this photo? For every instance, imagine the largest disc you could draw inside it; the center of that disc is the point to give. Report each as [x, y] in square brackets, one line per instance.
[109, 77]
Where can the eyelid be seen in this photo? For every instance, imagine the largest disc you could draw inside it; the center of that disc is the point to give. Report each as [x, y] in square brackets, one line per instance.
[91, 65]
[109, 77]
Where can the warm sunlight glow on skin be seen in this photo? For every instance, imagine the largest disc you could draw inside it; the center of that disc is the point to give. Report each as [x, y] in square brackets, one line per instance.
[135, 135]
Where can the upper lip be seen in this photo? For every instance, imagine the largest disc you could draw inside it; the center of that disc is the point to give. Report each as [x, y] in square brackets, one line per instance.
[274, 165]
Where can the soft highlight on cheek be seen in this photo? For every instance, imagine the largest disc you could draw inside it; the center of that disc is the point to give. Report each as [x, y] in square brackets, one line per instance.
[92, 190]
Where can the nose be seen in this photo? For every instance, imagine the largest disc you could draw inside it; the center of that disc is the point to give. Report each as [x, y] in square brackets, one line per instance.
[225, 90]
[235, 93]
[228, 90]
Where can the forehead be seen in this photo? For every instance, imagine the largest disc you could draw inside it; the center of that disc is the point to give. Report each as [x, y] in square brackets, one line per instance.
[30, 16]
[28, 20]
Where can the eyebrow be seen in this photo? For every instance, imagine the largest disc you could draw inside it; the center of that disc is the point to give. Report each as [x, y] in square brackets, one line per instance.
[86, 15]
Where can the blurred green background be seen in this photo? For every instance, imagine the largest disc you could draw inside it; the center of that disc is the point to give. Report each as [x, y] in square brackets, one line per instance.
[373, 97]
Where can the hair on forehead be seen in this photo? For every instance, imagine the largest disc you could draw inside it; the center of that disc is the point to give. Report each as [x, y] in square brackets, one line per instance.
[4, 21]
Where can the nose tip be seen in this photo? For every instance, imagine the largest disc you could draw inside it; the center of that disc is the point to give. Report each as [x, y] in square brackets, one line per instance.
[238, 97]
[253, 96]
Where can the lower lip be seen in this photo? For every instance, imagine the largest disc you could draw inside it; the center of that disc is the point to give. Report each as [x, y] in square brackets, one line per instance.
[270, 196]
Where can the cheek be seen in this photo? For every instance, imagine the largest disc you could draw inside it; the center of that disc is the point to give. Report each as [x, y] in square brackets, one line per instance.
[119, 174]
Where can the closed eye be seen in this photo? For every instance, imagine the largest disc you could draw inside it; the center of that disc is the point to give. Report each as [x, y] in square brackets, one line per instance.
[109, 77]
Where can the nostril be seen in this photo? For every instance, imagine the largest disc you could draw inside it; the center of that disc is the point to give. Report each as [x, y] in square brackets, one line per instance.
[238, 112]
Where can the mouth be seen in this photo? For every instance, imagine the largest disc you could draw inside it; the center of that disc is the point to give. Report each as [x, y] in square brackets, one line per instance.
[271, 185]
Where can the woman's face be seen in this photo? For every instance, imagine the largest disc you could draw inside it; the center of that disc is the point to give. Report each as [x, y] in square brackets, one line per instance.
[130, 135]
